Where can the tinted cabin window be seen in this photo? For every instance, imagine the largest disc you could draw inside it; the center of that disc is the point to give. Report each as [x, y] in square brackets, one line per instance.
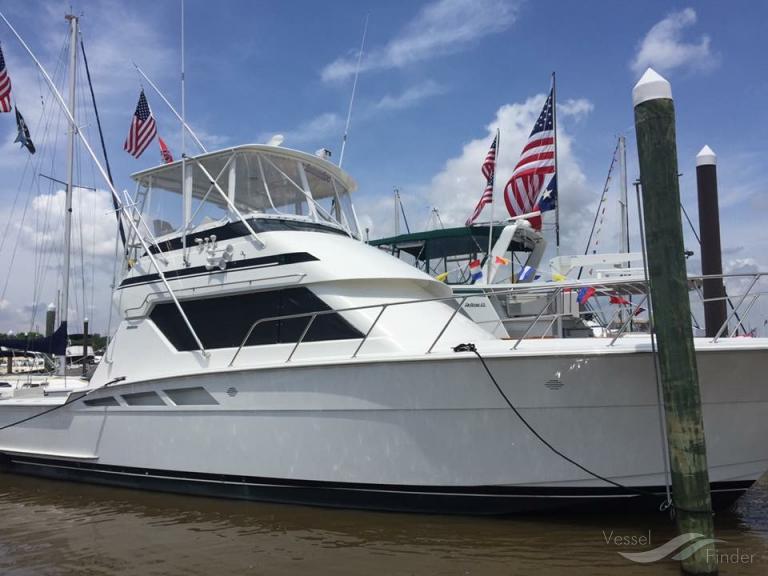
[223, 322]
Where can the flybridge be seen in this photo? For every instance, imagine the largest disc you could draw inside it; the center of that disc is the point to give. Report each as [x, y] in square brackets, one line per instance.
[241, 181]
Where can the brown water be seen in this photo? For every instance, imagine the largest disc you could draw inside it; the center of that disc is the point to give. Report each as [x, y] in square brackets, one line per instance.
[60, 528]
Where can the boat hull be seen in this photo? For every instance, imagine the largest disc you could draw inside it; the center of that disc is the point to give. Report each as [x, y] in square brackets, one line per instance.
[410, 435]
[464, 500]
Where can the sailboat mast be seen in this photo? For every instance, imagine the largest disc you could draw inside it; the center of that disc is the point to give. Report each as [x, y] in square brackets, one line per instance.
[73, 22]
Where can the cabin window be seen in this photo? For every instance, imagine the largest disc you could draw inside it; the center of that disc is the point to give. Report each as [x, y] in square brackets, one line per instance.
[107, 401]
[223, 322]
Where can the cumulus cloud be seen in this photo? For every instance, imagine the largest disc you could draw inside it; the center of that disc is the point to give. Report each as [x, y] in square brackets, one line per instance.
[44, 228]
[575, 108]
[664, 48]
[410, 96]
[316, 130]
[441, 27]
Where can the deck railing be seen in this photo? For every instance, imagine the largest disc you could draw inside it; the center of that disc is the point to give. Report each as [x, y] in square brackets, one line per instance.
[552, 292]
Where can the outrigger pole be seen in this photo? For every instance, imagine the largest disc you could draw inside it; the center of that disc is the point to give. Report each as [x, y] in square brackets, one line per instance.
[171, 108]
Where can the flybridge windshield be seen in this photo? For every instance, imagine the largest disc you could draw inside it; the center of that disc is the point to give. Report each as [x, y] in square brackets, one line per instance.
[254, 180]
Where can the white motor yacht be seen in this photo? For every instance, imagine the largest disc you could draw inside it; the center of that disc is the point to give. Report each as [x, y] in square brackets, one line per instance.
[264, 352]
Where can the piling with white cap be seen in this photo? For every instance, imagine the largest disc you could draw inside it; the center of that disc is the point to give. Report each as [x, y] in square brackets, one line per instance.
[715, 312]
[656, 147]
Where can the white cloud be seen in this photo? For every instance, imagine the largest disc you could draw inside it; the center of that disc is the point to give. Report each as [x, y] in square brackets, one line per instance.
[441, 27]
[664, 48]
[318, 130]
[91, 213]
[326, 129]
[410, 96]
[577, 109]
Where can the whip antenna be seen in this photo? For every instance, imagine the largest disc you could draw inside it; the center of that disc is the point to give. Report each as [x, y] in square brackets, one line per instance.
[354, 88]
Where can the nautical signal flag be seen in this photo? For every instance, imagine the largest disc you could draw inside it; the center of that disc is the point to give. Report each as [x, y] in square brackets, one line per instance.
[501, 261]
[584, 294]
[620, 300]
[5, 86]
[143, 128]
[475, 270]
[526, 274]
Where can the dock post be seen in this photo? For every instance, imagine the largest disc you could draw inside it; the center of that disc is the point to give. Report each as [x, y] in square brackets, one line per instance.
[656, 146]
[715, 312]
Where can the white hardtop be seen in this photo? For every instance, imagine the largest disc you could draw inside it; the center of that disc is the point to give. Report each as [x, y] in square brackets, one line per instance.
[277, 164]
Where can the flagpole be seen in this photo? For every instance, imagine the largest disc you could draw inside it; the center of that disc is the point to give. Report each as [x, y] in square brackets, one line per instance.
[557, 174]
[493, 204]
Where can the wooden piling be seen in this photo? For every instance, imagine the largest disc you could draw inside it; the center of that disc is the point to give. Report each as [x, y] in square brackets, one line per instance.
[656, 145]
[715, 311]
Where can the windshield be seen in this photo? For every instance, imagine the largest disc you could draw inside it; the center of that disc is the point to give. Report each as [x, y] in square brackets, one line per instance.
[249, 181]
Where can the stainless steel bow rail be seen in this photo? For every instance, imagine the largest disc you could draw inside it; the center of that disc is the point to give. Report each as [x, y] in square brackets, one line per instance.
[553, 291]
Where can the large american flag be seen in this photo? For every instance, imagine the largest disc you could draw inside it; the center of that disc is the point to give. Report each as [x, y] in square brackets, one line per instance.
[5, 86]
[489, 171]
[143, 129]
[537, 161]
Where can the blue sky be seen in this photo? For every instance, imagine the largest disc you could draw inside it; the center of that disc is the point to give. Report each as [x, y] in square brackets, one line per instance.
[438, 78]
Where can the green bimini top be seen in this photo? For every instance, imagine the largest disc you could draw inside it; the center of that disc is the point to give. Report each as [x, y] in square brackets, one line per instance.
[446, 242]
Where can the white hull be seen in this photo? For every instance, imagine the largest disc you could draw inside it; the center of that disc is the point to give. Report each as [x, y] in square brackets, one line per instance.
[402, 426]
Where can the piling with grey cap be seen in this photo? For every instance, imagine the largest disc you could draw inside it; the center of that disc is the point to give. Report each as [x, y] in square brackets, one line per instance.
[656, 147]
[715, 312]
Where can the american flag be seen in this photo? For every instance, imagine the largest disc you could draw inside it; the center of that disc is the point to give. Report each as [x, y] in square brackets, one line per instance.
[489, 171]
[521, 194]
[143, 129]
[5, 86]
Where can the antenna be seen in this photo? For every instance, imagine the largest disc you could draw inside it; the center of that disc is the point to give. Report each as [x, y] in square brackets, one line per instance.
[354, 88]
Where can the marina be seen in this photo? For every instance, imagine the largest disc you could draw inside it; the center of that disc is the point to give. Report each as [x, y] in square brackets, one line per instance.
[476, 396]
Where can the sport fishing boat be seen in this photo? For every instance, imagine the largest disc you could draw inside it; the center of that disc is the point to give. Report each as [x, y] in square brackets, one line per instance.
[265, 352]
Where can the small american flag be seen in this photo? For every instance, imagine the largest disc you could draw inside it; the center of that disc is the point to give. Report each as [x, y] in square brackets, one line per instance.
[521, 194]
[489, 171]
[143, 129]
[5, 86]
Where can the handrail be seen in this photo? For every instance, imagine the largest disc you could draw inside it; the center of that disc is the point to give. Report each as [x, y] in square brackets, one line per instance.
[538, 317]
[627, 322]
[460, 300]
[719, 333]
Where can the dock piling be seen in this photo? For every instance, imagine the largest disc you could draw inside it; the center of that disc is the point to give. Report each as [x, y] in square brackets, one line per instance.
[656, 145]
